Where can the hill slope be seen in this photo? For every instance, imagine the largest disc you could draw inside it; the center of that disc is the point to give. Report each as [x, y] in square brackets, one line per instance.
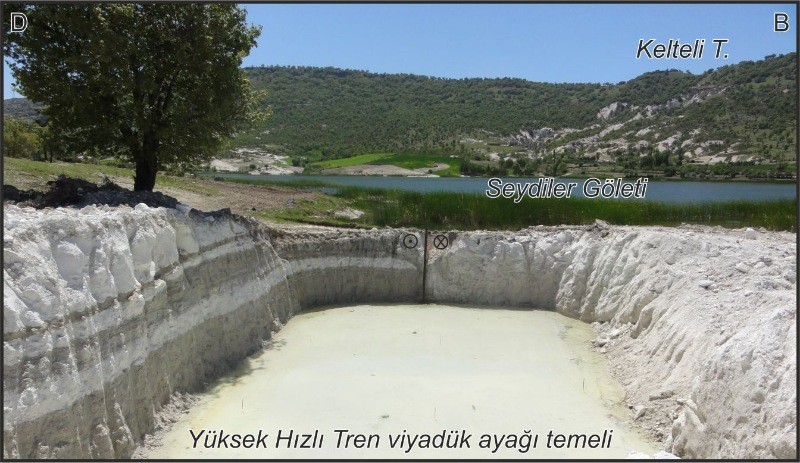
[743, 109]
[742, 114]
[22, 108]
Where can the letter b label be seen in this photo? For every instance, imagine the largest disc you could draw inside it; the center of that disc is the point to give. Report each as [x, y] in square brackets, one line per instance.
[781, 22]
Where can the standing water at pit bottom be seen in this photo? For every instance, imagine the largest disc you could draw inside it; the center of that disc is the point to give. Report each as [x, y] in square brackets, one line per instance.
[421, 368]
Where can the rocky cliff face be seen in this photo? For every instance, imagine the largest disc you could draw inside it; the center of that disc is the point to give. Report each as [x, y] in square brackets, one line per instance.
[110, 312]
[698, 323]
[333, 266]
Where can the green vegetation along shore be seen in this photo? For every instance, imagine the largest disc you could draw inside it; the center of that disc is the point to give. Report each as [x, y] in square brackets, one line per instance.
[441, 210]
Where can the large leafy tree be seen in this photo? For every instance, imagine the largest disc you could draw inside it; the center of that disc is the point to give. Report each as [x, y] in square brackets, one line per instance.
[158, 83]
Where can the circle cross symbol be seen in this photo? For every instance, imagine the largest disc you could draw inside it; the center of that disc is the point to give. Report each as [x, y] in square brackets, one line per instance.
[410, 241]
[440, 242]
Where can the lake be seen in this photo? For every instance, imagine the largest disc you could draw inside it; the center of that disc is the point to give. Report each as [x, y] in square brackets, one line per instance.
[663, 191]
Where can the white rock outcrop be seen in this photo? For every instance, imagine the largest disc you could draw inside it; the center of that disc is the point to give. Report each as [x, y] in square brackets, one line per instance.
[611, 110]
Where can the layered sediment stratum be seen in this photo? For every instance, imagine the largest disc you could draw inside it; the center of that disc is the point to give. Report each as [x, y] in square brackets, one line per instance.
[110, 312]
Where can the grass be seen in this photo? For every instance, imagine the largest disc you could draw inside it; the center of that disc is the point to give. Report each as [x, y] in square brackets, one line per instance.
[473, 211]
[251, 180]
[319, 211]
[25, 174]
[22, 171]
[348, 162]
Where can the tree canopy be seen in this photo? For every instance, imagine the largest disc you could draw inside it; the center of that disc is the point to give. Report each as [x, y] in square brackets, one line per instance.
[157, 83]
[21, 138]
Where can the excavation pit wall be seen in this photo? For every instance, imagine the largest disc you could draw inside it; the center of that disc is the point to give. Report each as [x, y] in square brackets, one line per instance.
[109, 313]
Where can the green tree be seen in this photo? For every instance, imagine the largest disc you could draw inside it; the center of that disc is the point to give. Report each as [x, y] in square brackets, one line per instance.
[160, 84]
[21, 139]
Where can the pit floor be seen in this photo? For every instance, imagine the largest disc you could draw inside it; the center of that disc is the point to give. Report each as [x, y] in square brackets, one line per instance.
[383, 369]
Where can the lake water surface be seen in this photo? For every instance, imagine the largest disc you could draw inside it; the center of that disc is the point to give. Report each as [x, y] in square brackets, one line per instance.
[680, 192]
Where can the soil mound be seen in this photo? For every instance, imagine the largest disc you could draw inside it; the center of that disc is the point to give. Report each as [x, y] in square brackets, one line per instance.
[75, 192]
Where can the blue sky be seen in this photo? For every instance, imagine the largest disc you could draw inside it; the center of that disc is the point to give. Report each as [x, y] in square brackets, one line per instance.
[549, 43]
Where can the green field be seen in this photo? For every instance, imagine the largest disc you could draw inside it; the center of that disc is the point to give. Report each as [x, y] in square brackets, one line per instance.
[421, 161]
[348, 162]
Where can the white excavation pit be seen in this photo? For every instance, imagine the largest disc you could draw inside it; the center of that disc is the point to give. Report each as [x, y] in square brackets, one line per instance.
[114, 318]
[427, 369]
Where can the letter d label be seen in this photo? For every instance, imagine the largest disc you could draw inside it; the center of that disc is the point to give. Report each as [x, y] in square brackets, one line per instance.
[19, 22]
[781, 22]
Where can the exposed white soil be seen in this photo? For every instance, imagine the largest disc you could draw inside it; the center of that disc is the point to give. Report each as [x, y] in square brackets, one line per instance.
[369, 169]
[224, 165]
[429, 170]
[423, 368]
[110, 312]
[698, 323]
[256, 162]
